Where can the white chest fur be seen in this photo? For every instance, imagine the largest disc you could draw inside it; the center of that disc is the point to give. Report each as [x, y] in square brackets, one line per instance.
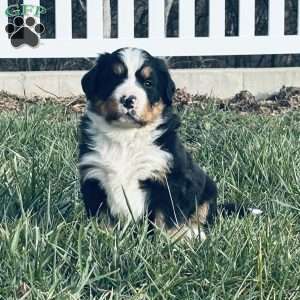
[123, 158]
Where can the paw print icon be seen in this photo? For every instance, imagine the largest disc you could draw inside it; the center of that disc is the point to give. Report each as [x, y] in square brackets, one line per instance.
[24, 31]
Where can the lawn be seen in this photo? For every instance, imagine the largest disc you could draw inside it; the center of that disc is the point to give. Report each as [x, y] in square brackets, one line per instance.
[49, 250]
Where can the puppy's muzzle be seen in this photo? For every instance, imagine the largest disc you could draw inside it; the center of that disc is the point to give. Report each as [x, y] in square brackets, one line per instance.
[128, 102]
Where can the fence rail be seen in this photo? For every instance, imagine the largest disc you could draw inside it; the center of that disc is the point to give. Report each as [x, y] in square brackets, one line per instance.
[186, 44]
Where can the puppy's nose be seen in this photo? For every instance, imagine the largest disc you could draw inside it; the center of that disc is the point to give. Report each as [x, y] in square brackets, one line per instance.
[128, 101]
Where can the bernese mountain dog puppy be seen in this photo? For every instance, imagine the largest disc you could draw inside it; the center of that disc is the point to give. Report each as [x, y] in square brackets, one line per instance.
[132, 163]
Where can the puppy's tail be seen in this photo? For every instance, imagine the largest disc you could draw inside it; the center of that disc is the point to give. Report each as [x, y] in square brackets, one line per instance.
[233, 209]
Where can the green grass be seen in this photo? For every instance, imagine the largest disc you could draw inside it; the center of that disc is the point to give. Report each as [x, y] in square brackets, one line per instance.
[48, 247]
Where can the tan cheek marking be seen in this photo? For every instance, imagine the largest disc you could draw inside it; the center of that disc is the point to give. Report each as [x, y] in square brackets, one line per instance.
[151, 113]
[146, 72]
[108, 109]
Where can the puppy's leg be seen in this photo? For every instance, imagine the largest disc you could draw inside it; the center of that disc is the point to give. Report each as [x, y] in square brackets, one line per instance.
[196, 226]
[191, 229]
[94, 197]
[208, 209]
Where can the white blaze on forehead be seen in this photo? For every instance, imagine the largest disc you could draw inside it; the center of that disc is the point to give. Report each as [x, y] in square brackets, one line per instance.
[133, 59]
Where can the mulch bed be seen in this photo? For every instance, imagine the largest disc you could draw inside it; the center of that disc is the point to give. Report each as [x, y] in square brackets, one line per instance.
[287, 99]
[10, 102]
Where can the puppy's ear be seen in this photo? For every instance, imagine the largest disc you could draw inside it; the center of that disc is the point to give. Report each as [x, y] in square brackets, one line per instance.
[170, 89]
[88, 83]
[92, 80]
[168, 84]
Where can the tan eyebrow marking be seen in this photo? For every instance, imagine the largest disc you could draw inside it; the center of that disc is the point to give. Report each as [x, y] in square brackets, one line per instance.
[146, 72]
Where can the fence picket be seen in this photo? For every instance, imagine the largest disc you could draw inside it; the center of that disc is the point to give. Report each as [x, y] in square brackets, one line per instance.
[63, 19]
[186, 45]
[276, 17]
[126, 18]
[157, 18]
[247, 18]
[3, 20]
[298, 17]
[94, 19]
[187, 18]
[216, 18]
[33, 3]
[32, 11]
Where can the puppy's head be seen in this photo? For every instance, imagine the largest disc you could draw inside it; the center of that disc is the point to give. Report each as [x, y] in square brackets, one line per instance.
[129, 87]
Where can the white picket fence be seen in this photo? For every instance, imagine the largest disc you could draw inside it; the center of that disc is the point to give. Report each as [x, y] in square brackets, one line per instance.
[276, 42]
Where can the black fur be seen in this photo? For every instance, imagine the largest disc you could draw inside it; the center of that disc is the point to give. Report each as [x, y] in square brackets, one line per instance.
[100, 81]
[188, 186]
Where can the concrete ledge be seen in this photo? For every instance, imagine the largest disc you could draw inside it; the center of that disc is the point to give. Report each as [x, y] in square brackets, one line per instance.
[222, 83]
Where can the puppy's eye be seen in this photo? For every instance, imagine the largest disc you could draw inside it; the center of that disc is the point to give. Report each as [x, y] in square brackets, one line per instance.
[148, 83]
